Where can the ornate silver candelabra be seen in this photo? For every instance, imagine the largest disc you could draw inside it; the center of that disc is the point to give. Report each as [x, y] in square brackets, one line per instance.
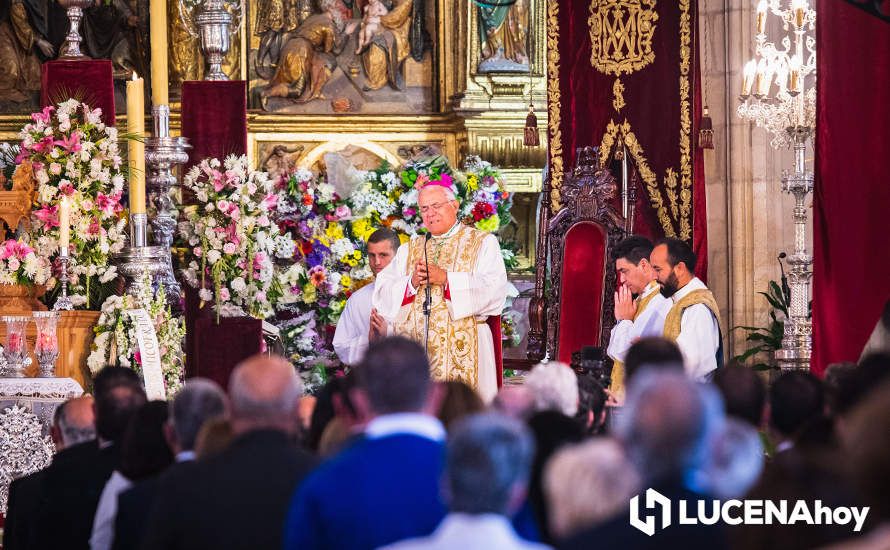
[162, 154]
[787, 111]
[214, 22]
[71, 47]
[139, 262]
[63, 302]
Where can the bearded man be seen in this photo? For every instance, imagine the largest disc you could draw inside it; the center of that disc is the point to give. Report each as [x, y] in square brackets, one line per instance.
[467, 281]
[693, 321]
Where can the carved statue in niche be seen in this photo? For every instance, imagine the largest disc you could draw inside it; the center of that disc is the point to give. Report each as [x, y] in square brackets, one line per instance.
[503, 35]
[351, 53]
[118, 31]
[23, 45]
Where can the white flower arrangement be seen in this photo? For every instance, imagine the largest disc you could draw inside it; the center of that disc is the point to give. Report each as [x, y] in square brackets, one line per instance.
[115, 341]
[74, 155]
[231, 238]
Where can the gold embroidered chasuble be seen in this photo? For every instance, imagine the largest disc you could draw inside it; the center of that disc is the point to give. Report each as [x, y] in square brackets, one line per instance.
[453, 344]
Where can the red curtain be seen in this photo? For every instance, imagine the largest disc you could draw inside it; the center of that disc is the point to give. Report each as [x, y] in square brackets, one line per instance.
[87, 80]
[851, 273]
[214, 118]
[607, 71]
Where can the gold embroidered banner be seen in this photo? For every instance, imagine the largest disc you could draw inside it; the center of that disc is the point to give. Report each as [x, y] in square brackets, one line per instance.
[627, 70]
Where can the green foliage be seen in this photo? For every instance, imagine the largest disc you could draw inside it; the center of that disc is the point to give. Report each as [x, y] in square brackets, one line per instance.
[769, 338]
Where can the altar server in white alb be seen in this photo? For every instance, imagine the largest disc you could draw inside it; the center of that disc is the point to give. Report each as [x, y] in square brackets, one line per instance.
[468, 283]
[640, 308]
[360, 323]
[693, 321]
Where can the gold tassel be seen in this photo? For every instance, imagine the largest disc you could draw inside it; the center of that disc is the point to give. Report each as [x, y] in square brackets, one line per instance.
[531, 138]
[706, 131]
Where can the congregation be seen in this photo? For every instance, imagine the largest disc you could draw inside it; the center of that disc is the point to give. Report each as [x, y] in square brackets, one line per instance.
[386, 457]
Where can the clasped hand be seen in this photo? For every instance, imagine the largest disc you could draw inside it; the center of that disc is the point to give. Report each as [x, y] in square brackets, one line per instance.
[424, 273]
[625, 307]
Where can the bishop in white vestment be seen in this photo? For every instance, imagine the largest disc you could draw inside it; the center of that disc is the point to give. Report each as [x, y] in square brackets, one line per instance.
[468, 283]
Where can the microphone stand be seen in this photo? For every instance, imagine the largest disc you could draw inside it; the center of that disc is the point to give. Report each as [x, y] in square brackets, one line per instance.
[428, 298]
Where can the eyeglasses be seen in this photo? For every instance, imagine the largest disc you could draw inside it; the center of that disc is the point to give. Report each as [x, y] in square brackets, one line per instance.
[435, 206]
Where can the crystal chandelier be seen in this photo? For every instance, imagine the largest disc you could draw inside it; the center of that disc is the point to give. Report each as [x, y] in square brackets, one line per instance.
[779, 95]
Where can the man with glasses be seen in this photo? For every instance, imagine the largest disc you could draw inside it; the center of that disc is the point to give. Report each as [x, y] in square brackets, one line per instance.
[465, 273]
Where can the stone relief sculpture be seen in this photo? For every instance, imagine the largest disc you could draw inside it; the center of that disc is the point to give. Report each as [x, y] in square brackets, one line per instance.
[343, 52]
[503, 35]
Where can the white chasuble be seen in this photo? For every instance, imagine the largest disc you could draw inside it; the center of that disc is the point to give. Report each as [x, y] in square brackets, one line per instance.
[460, 342]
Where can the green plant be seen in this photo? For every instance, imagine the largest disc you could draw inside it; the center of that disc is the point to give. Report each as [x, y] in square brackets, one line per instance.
[769, 338]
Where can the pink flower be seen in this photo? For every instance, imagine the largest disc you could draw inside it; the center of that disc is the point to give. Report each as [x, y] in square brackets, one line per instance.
[409, 212]
[198, 251]
[224, 294]
[342, 211]
[260, 296]
[45, 145]
[48, 216]
[43, 116]
[67, 188]
[422, 179]
[109, 204]
[95, 228]
[218, 183]
[138, 358]
[270, 201]
[70, 143]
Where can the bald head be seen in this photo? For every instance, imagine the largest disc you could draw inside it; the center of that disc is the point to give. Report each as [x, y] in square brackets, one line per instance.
[264, 393]
[76, 421]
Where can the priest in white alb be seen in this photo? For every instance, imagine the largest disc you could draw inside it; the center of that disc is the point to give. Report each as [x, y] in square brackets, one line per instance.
[467, 281]
[360, 323]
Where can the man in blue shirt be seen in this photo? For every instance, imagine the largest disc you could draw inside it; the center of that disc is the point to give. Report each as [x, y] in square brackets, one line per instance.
[385, 487]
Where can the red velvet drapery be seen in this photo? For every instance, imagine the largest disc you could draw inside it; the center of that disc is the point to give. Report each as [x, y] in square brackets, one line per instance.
[214, 118]
[657, 103]
[851, 273]
[87, 80]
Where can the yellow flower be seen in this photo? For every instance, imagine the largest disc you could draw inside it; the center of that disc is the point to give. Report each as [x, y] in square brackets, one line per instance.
[346, 281]
[334, 231]
[309, 293]
[490, 224]
[473, 182]
[403, 238]
[357, 254]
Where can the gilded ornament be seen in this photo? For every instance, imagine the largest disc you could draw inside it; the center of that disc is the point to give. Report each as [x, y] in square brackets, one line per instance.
[621, 34]
[554, 105]
[618, 92]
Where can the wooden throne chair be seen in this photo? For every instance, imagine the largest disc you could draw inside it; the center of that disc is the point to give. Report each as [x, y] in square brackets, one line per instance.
[572, 307]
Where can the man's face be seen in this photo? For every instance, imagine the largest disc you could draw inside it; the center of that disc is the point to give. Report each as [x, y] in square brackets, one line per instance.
[636, 277]
[438, 211]
[379, 255]
[665, 274]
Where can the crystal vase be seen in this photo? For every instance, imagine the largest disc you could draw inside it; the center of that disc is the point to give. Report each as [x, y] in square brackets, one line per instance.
[15, 348]
[46, 348]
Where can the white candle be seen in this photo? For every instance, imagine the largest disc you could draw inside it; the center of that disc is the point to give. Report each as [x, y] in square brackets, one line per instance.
[748, 77]
[799, 7]
[64, 226]
[795, 85]
[761, 16]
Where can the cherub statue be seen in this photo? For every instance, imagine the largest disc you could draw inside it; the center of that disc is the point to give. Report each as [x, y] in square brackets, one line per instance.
[374, 10]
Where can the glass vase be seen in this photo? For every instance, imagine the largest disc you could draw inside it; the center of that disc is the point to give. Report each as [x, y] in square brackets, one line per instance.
[46, 348]
[15, 348]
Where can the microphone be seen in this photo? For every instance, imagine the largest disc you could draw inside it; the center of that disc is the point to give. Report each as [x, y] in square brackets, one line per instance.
[786, 290]
[428, 299]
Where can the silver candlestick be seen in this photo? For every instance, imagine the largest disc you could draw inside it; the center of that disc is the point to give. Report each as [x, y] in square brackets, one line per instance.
[63, 302]
[71, 47]
[162, 154]
[140, 263]
[213, 22]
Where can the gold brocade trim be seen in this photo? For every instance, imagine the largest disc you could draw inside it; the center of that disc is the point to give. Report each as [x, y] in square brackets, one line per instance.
[618, 91]
[453, 343]
[613, 132]
[554, 105]
[673, 321]
[685, 124]
[621, 34]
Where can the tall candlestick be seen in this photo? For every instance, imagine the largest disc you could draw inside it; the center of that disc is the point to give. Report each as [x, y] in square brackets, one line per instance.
[158, 29]
[135, 146]
[800, 8]
[748, 77]
[64, 226]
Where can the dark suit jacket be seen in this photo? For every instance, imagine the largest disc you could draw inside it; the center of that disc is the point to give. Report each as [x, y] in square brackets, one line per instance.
[618, 532]
[73, 485]
[235, 499]
[21, 511]
[133, 506]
